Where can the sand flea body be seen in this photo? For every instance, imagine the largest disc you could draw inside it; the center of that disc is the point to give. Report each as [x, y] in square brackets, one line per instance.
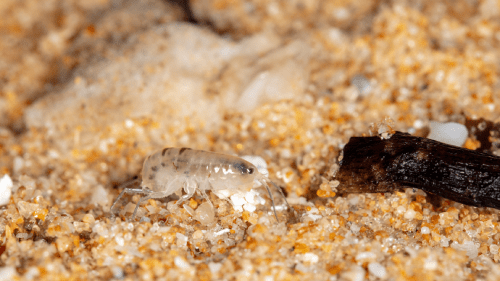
[169, 170]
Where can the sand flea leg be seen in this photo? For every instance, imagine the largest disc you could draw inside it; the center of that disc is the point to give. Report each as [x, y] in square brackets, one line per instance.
[131, 190]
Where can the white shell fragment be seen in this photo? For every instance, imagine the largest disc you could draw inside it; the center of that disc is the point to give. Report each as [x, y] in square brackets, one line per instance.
[5, 189]
[450, 133]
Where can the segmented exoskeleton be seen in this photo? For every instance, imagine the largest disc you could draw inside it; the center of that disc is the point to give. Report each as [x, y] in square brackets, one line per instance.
[170, 169]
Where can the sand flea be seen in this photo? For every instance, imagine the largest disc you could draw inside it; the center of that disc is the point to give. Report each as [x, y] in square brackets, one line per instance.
[167, 171]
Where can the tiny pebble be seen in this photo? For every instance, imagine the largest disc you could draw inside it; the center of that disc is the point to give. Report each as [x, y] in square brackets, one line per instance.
[118, 272]
[362, 84]
[377, 270]
[181, 239]
[7, 273]
[410, 214]
[469, 247]
[205, 213]
[451, 133]
[430, 263]
[214, 267]
[88, 218]
[425, 230]
[198, 234]
[5, 190]
[365, 256]
[182, 263]
[494, 249]
[310, 257]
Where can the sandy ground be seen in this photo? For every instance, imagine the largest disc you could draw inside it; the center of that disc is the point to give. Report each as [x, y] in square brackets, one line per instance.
[88, 91]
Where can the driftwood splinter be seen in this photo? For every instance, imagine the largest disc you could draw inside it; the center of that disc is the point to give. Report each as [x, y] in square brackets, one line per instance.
[372, 164]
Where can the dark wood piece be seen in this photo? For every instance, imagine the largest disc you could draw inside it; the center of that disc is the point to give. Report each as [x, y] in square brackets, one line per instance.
[372, 164]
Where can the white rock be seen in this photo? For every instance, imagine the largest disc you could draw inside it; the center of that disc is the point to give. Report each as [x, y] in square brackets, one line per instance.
[301, 267]
[363, 256]
[377, 270]
[166, 73]
[468, 246]
[100, 196]
[425, 230]
[181, 239]
[444, 242]
[7, 273]
[418, 124]
[162, 73]
[214, 267]
[353, 199]
[238, 201]
[250, 208]
[450, 133]
[430, 263]
[5, 190]
[280, 74]
[205, 213]
[310, 257]
[118, 272]
[218, 233]
[26, 209]
[494, 249]
[362, 84]
[354, 273]
[410, 214]
[32, 273]
[250, 197]
[182, 263]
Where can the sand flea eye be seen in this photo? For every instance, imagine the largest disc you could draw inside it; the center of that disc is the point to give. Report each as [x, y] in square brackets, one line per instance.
[250, 171]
